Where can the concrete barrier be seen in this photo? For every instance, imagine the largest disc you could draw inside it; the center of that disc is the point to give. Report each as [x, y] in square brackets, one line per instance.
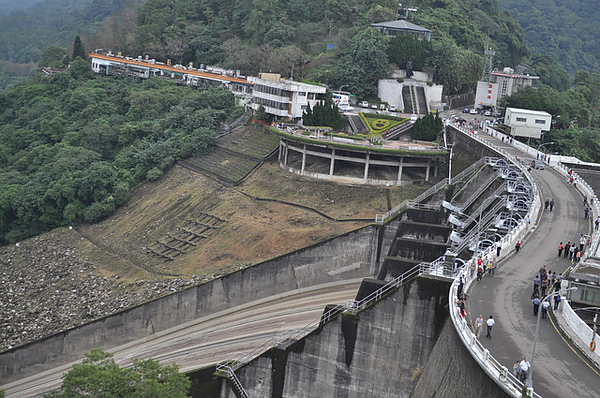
[350, 256]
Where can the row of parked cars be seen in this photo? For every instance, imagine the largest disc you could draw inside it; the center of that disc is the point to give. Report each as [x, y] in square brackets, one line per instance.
[484, 112]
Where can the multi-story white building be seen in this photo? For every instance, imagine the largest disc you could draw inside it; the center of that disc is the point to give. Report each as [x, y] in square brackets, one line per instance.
[503, 83]
[283, 98]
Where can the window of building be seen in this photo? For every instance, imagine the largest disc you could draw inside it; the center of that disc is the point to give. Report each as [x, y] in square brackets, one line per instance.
[303, 94]
[540, 121]
[521, 119]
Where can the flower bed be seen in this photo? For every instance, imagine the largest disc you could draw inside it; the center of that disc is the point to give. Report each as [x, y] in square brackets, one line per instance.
[379, 123]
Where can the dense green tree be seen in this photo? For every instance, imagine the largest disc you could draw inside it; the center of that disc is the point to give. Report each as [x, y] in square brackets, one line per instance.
[98, 376]
[427, 128]
[404, 47]
[54, 57]
[365, 63]
[78, 49]
[324, 113]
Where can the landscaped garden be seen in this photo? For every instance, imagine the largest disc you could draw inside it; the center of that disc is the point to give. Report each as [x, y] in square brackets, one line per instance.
[380, 123]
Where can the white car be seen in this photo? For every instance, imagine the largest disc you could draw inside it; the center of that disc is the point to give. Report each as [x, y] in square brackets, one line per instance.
[374, 106]
[364, 104]
[392, 108]
[473, 111]
[487, 113]
[345, 107]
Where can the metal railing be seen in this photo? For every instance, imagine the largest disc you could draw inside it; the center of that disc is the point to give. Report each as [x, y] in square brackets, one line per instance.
[499, 373]
[227, 368]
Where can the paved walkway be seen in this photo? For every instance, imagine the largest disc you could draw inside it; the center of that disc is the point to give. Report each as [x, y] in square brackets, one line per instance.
[559, 369]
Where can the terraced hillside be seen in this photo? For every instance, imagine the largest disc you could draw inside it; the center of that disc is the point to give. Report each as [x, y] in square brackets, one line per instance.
[236, 154]
[71, 276]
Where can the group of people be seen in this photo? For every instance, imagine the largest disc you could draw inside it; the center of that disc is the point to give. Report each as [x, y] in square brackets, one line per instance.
[521, 369]
[543, 284]
[483, 266]
[572, 251]
[490, 322]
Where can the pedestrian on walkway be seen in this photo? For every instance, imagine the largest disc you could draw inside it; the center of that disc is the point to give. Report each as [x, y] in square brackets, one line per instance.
[560, 249]
[578, 256]
[582, 242]
[597, 222]
[478, 326]
[472, 267]
[586, 213]
[572, 252]
[545, 306]
[536, 305]
[544, 286]
[494, 266]
[498, 248]
[517, 246]
[524, 369]
[546, 204]
[557, 300]
[527, 220]
[567, 248]
[551, 204]
[490, 324]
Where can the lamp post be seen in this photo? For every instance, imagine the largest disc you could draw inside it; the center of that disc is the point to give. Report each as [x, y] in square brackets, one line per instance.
[529, 381]
[342, 86]
[544, 144]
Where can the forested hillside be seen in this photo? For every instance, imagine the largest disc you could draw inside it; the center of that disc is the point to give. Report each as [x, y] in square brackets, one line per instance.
[568, 30]
[72, 146]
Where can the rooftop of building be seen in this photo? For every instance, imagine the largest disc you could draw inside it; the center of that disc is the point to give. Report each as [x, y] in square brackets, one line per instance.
[400, 24]
[529, 112]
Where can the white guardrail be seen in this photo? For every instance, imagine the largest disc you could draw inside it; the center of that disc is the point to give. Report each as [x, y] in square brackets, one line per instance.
[493, 368]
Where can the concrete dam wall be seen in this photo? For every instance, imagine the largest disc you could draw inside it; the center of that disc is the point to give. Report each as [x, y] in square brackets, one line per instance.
[375, 353]
[350, 256]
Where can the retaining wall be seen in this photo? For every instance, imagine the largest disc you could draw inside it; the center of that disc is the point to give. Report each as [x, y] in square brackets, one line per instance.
[350, 256]
[370, 354]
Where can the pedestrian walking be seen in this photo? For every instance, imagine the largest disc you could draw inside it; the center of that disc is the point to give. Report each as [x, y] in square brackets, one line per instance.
[572, 251]
[524, 367]
[544, 286]
[494, 266]
[517, 246]
[472, 267]
[560, 249]
[498, 248]
[478, 326]
[545, 306]
[527, 220]
[551, 204]
[597, 222]
[557, 300]
[490, 324]
[536, 305]
[586, 213]
[578, 256]
[567, 248]
[546, 204]
[582, 242]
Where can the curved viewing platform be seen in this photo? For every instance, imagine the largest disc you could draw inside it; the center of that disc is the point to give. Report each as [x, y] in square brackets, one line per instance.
[319, 153]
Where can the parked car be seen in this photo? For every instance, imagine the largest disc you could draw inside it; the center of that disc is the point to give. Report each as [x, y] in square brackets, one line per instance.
[374, 106]
[364, 104]
[345, 107]
[473, 111]
[487, 113]
[392, 108]
[465, 110]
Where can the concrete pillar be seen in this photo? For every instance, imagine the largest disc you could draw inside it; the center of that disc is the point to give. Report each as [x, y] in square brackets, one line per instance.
[367, 166]
[427, 170]
[332, 164]
[286, 155]
[400, 169]
[303, 159]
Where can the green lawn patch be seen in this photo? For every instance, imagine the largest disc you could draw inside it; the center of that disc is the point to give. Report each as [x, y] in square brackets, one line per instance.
[379, 123]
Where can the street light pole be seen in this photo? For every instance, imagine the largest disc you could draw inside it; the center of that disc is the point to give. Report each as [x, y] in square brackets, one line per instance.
[529, 381]
[342, 86]
[544, 144]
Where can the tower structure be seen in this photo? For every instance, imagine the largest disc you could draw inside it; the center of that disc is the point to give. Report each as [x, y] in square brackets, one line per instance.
[489, 62]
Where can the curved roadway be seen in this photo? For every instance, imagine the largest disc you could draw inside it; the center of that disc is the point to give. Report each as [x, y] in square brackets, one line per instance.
[559, 369]
[214, 338]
